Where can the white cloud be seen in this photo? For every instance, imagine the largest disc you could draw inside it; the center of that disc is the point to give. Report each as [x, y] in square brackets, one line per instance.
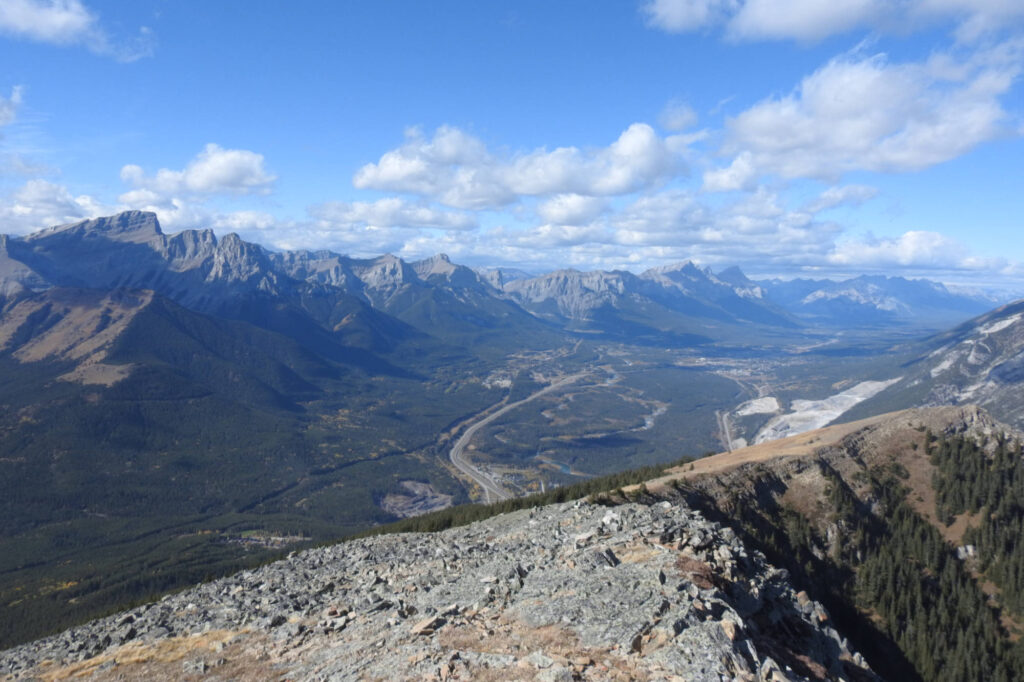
[9, 106]
[914, 249]
[178, 197]
[571, 209]
[674, 215]
[364, 229]
[56, 21]
[213, 171]
[40, 203]
[361, 241]
[542, 238]
[675, 225]
[813, 20]
[391, 212]
[677, 116]
[69, 22]
[869, 114]
[978, 18]
[680, 16]
[740, 174]
[457, 169]
[453, 167]
[244, 221]
[175, 214]
[847, 195]
[804, 20]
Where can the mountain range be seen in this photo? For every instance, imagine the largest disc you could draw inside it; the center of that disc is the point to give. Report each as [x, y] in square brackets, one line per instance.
[174, 405]
[378, 303]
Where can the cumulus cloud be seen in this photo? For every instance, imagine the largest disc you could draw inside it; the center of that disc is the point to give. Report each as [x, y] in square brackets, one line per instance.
[847, 195]
[40, 203]
[680, 16]
[870, 114]
[244, 221]
[179, 197]
[558, 236]
[571, 209]
[918, 249]
[977, 18]
[804, 20]
[9, 106]
[740, 174]
[363, 229]
[391, 212]
[213, 171]
[677, 116]
[69, 22]
[813, 20]
[678, 224]
[456, 169]
[361, 241]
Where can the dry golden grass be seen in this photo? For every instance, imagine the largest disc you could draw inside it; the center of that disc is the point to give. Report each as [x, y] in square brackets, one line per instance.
[162, 660]
[802, 445]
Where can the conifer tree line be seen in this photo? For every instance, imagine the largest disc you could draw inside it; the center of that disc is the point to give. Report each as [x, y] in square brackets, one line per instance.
[892, 583]
[967, 480]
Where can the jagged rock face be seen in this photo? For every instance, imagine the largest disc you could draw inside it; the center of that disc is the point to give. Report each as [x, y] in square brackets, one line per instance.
[15, 276]
[130, 250]
[227, 277]
[571, 294]
[671, 291]
[319, 267]
[572, 591]
[499, 277]
[982, 363]
[691, 279]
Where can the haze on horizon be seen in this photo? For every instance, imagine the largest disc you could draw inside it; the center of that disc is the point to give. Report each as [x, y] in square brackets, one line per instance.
[788, 138]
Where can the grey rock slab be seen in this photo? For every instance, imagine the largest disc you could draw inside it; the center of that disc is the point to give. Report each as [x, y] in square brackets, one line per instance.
[537, 587]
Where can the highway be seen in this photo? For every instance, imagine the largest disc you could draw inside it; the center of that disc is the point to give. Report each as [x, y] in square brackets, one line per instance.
[493, 491]
[725, 433]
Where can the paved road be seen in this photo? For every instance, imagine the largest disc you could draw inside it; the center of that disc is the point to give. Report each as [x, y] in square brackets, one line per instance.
[493, 491]
[724, 430]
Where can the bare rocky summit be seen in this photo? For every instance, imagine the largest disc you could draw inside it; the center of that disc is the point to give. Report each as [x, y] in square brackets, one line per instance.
[570, 591]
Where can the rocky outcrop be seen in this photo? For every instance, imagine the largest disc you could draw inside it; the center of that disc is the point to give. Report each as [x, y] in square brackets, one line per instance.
[129, 250]
[571, 591]
[979, 362]
[682, 289]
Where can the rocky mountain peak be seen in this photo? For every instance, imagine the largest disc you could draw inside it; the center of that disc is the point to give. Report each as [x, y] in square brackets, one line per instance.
[128, 226]
[236, 260]
[438, 264]
[740, 283]
[441, 268]
[684, 275]
[386, 271]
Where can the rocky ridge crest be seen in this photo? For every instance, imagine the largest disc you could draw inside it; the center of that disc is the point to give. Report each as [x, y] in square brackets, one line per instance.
[570, 591]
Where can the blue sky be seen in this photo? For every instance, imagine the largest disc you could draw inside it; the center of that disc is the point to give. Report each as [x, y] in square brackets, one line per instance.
[794, 138]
